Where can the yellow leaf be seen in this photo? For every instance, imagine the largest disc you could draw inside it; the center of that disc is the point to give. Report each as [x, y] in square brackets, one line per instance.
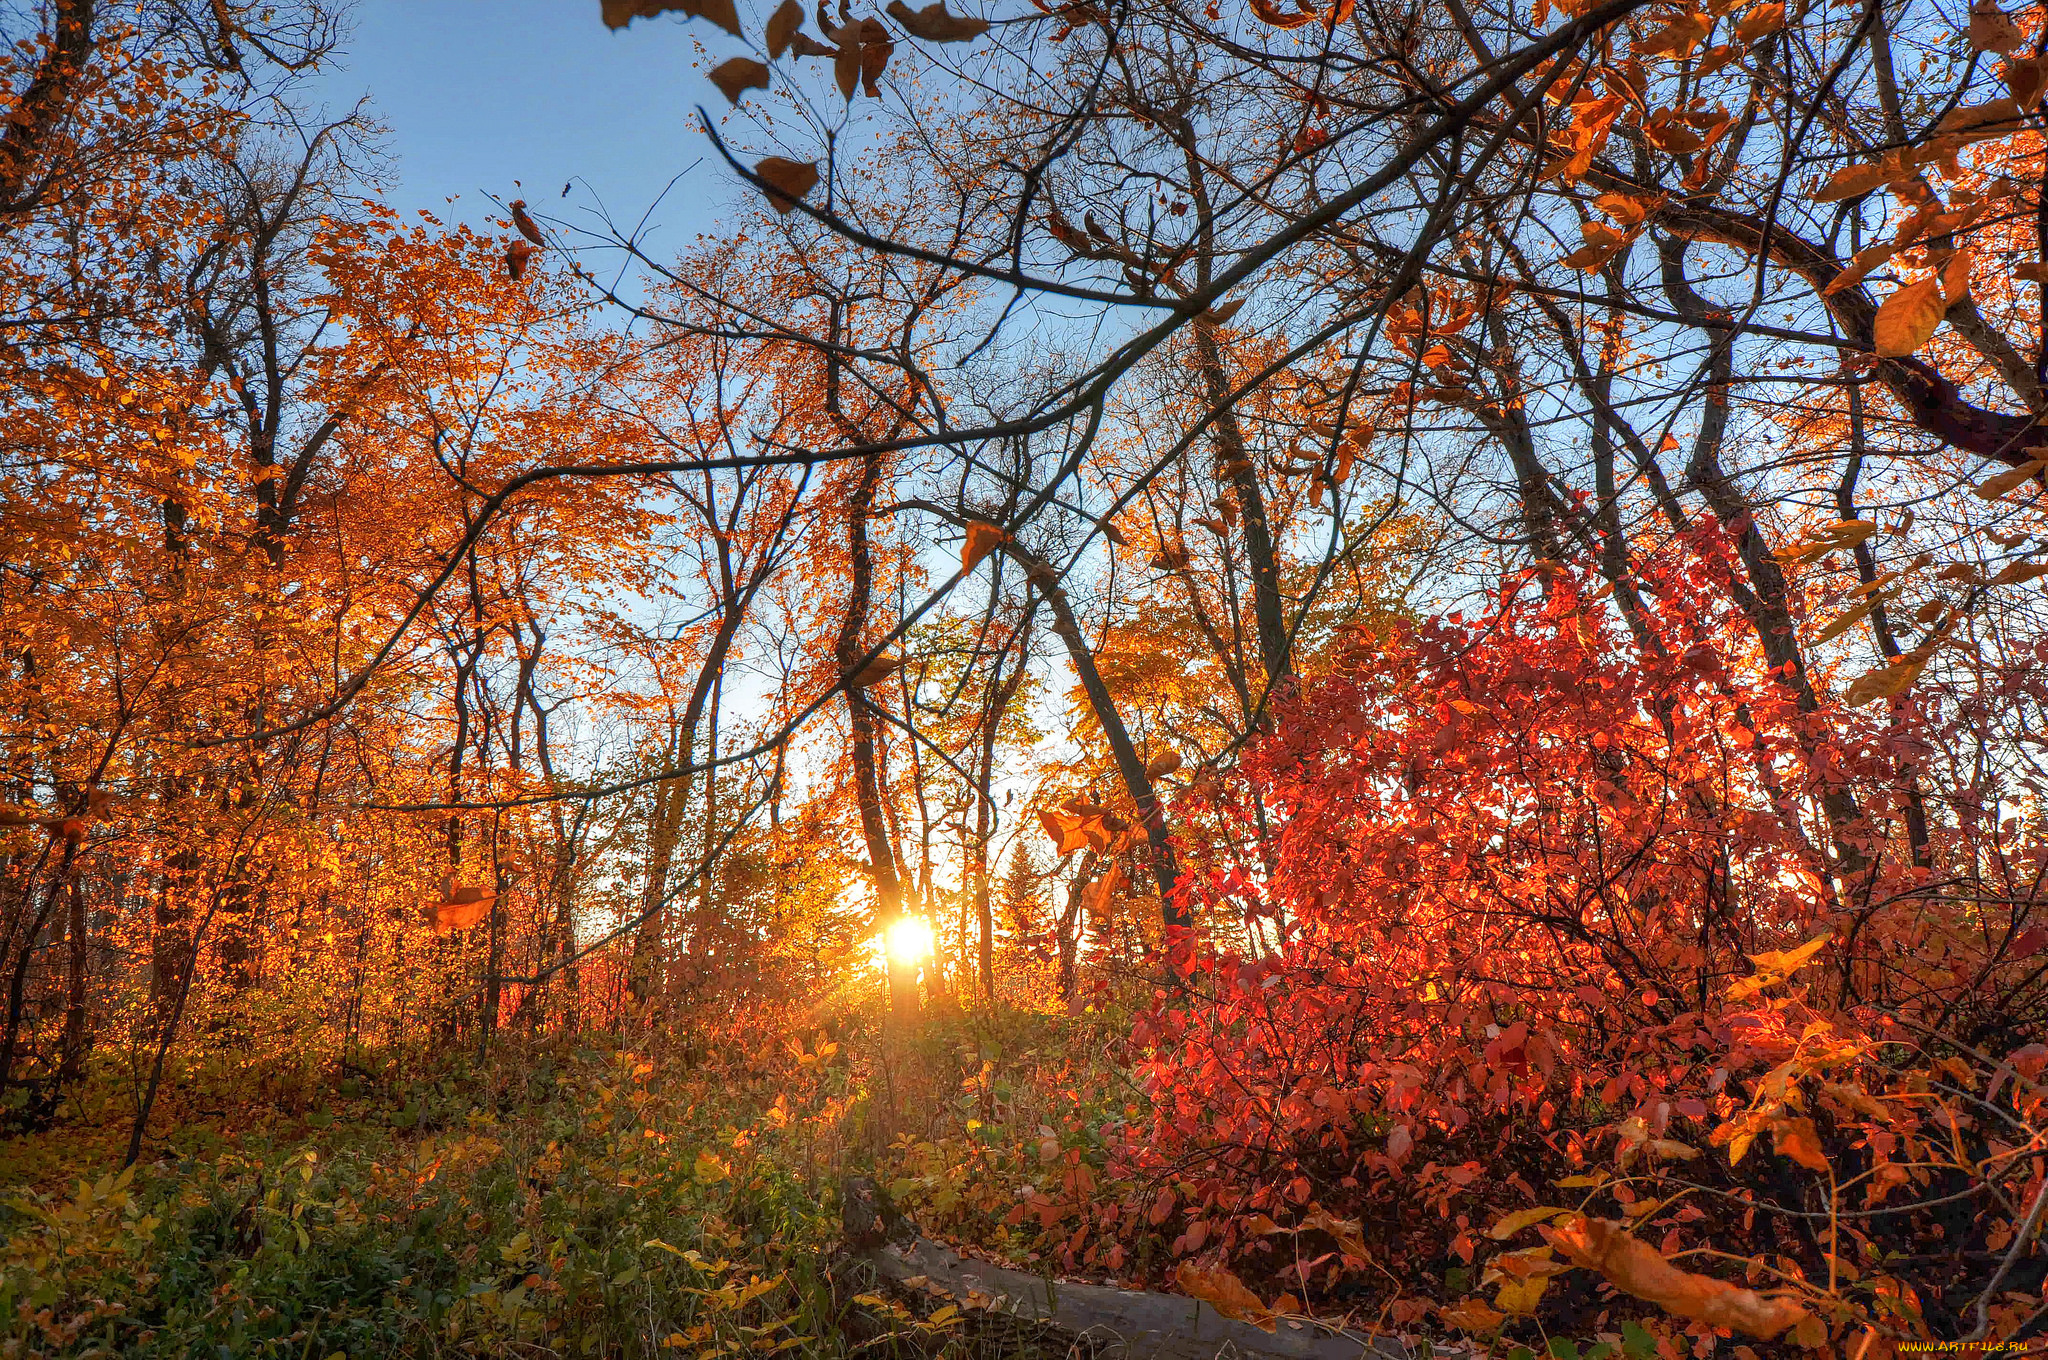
[1510, 1224]
[1785, 962]
[1844, 622]
[1519, 1297]
[1886, 682]
[876, 671]
[1738, 1147]
[708, 1169]
[1908, 318]
[982, 539]
[1846, 533]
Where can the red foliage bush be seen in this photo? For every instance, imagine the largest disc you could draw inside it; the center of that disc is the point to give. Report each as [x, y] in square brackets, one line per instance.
[1565, 917]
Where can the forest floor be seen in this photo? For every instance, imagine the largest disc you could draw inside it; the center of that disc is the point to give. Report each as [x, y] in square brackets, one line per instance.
[585, 1198]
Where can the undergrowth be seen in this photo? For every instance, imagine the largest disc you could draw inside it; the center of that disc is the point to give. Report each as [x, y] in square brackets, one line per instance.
[568, 1199]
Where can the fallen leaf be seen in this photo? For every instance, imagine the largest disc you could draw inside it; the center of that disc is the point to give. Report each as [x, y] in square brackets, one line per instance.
[1510, 1224]
[1472, 1315]
[1224, 1292]
[1637, 1268]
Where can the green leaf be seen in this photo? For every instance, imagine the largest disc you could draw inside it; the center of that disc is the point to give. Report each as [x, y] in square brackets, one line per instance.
[1637, 1343]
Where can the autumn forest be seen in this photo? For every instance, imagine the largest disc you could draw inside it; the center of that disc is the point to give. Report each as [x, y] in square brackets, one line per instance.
[1366, 677]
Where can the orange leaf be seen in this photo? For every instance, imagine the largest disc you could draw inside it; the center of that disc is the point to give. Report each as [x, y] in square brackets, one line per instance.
[1677, 38]
[1637, 1268]
[787, 180]
[1224, 1292]
[1908, 318]
[738, 75]
[982, 539]
[1762, 20]
[876, 671]
[1991, 30]
[1069, 832]
[1955, 278]
[525, 224]
[1278, 17]
[1798, 1139]
[2026, 78]
[1472, 1315]
[783, 26]
[934, 24]
[1991, 488]
[1163, 764]
[1851, 181]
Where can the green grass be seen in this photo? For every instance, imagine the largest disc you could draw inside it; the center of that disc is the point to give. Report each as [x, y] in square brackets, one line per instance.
[565, 1201]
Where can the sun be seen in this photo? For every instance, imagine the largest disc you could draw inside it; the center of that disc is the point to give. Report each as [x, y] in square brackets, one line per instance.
[908, 941]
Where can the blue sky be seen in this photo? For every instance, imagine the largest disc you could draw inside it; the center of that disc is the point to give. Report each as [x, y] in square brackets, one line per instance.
[480, 93]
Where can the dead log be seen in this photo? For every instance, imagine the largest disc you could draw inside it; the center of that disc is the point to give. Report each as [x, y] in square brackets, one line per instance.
[1093, 1319]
